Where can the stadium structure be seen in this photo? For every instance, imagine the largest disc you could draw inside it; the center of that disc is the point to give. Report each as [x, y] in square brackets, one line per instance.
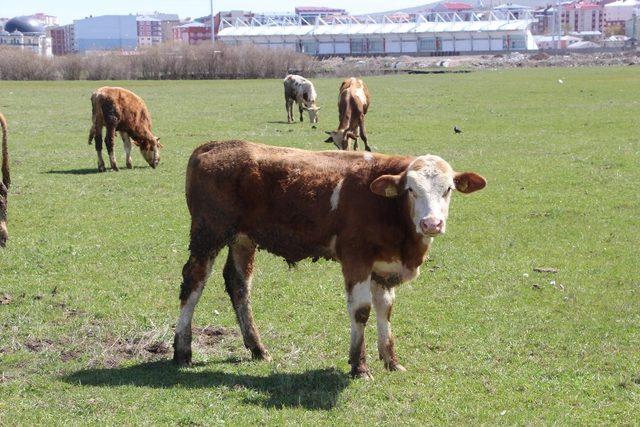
[428, 34]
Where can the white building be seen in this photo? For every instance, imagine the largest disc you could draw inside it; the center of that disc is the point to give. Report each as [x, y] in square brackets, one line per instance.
[621, 11]
[25, 33]
[39, 44]
[437, 33]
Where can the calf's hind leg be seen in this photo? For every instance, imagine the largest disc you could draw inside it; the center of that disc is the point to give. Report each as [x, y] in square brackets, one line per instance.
[195, 273]
[237, 278]
[111, 135]
[98, 139]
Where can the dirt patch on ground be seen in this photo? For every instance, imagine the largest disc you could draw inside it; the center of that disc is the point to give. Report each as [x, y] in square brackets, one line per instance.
[5, 298]
[212, 335]
[156, 345]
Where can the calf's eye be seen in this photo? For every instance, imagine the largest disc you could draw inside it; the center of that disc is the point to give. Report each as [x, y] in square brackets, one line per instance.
[446, 193]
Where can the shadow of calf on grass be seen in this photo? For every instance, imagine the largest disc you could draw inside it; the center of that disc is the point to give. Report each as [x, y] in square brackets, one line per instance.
[87, 171]
[315, 389]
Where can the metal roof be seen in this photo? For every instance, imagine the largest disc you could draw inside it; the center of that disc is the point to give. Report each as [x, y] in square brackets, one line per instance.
[428, 23]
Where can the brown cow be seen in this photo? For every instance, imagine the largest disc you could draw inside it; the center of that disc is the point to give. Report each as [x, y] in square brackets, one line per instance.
[353, 103]
[375, 214]
[122, 110]
[4, 185]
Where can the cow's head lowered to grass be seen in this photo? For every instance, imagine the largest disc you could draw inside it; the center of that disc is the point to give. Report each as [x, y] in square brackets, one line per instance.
[426, 186]
[150, 151]
[312, 109]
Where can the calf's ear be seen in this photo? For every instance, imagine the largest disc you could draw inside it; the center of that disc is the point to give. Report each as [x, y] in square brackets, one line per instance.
[386, 185]
[330, 139]
[468, 182]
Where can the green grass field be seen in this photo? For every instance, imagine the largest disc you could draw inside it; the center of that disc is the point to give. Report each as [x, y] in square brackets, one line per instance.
[93, 265]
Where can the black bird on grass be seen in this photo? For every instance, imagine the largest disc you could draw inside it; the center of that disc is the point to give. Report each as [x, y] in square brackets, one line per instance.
[457, 130]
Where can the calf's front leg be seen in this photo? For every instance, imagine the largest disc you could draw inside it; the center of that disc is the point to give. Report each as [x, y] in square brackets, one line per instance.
[127, 148]
[383, 298]
[363, 135]
[359, 306]
[289, 107]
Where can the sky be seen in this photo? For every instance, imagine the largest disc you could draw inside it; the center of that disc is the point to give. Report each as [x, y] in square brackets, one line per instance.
[68, 10]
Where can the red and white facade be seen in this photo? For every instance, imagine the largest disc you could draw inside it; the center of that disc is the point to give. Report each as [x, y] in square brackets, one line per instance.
[582, 16]
[62, 40]
[192, 33]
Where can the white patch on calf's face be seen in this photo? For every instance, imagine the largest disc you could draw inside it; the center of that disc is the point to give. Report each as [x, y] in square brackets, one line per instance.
[335, 196]
[429, 183]
[152, 156]
[313, 114]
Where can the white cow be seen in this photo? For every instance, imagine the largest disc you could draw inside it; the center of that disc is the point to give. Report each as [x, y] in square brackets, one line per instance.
[300, 90]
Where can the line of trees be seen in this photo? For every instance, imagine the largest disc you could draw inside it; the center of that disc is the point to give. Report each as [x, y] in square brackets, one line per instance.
[170, 62]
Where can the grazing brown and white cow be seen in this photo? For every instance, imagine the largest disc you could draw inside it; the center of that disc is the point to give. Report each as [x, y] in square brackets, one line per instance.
[300, 90]
[121, 110]
[375, 214]
[4, 185]
[353, 103]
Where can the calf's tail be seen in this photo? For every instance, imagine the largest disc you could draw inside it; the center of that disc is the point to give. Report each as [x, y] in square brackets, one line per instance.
[6, 178]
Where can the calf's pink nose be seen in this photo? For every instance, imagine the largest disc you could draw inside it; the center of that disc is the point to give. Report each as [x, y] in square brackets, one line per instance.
[431, 225]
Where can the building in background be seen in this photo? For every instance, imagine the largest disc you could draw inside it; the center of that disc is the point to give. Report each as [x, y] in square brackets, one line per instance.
[46, 20]
[192, 33]
[63, 40]
[581, 16]
[167, 22]
[551, 42]
[632, 28]
[149, 31]
[435, 34]
[618, 13]
[516, 10]
[310, 14]
[463, 10]
[26, 33]
[108, 32]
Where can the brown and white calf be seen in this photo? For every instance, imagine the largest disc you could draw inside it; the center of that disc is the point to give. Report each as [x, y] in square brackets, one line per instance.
[300, 90]
[375, 214]
[353, 103]
[4, 185]
[121, 110]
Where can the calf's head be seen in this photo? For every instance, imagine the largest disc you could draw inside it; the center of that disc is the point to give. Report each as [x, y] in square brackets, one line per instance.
[150, 151]
[340, 138]
[426, 187]
[312, 109]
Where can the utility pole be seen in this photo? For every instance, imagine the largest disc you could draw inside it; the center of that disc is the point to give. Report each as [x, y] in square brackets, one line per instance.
[213, 35]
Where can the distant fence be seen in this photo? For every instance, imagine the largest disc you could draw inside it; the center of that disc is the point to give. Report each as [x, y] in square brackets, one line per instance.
[170, 62]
